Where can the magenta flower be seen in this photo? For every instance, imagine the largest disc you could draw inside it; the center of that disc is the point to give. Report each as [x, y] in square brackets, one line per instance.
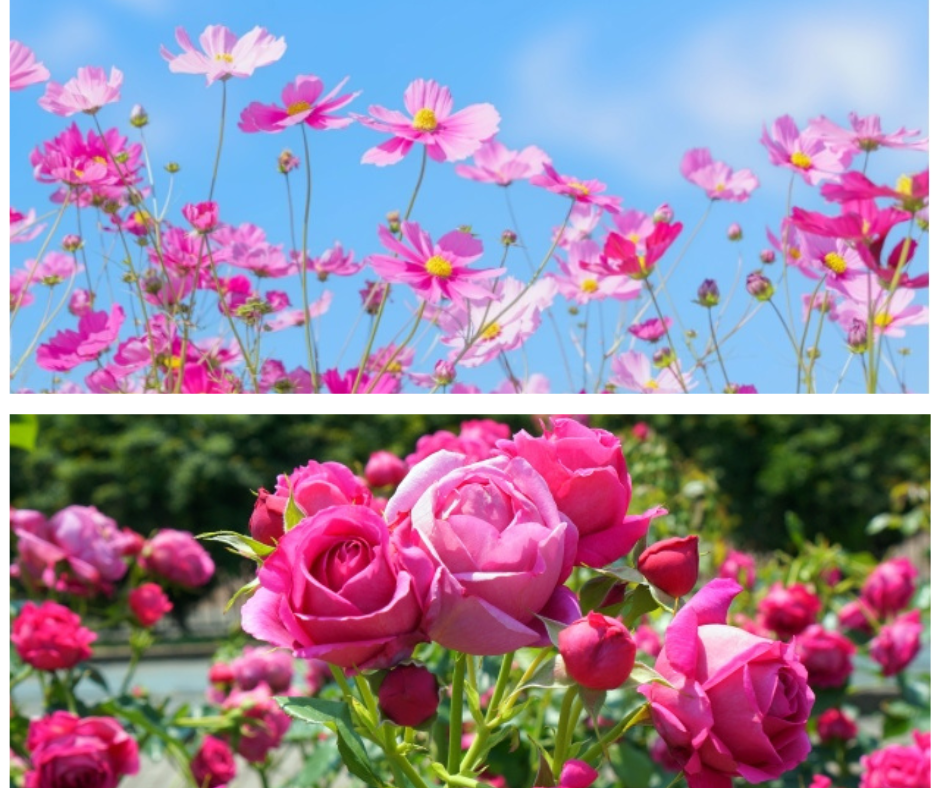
[203, 216]
[303, 103]
[804, 152]
[717, 178]
[866, 134]
[623, 256]
[295, 317]
[633, 371]
[588, 191]
[24, 68]
[275, 377]
[495, 163]
[433, 270]
[448, 137]
[651, 330]
[23, 227]
[580, 283]
[19, 289]
[88, 92]
[343, 384]
[54, 269]
[223, 54]
[67, 349]
[892, 314]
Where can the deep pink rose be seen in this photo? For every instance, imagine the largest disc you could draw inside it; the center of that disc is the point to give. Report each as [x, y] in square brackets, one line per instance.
[317, 486]
[87, 543]
[827, 656]
[739, 703]
[890, 586]
[740, 567]
[409, 695]
[257, 665]
[69, 752]
[897, 643]
[820, 781]
[178, 557]
[899, 766]
[384, 469]
[576, 774]
[598, 651]
[587, 476]
[50, 636]
[671, 564]
[857, 615]
[149, 604]
[214, 765]
[499, 548]
[476, 441]
[835, 724]
[268, 723]
[659, 752]
[267, 520]
[788, 611]
[341, 588]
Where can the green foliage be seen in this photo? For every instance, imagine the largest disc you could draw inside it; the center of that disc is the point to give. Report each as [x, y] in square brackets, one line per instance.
[23, 431]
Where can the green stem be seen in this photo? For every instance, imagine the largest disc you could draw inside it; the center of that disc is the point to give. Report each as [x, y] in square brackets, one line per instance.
[499, 689]
[615, 733]
[42, 251]
[799, 359]
[721, 363]
[810, 383]
[456, 714]
[892, 288]
[563, 735]
[218, 150]
[131, 667]
[399, 349]
[679, 376]
[313, 359]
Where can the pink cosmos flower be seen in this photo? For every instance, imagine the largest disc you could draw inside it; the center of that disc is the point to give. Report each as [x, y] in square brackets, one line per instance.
[581, 223]
[633, 371]
[333, 261]
[24, 69]
[433, 270]
[580, 283]
[651, 330]
[55, 268]
[495, 163]
[275, 377]
[717, 178]
[891, 316]
[295, 317]
[343, 384]
[88, 92]
[203, 216]
[866, 134]
[67, 349]
[223, 54]
[804, 152]
[19, 293]
[448, 137]
[636, 226]
[534, 384]
[23, 227]
[623, 256]
[831, 258]
[303, 103]
[588, 191]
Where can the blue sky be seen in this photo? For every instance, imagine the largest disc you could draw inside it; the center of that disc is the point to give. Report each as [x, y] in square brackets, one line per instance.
[612, 91]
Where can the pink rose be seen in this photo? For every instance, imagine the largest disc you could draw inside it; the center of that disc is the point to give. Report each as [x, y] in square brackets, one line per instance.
[89, 543]
[834, 724]
[598, 651]
[587, 476]
[50, 636]
[476, 441]
[788, 611]
[67, 751]
[149, 604]
[384, 469]
[740, 567]
[339, 587]
[257, 665]
[820, 781]
[899, 766]
[857, 615]
[739, 703]
[317, 486]
[178, 557]
[897, 643]
[647, 640]
[499, 548]
[576, 774]
[890, 586]
[214, 765]
[827, 656]
[267, 725]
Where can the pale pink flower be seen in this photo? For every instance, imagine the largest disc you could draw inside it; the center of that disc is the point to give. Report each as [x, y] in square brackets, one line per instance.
[534, 384]
[54, 269]
[265, 260]
[580, 283]
[831, 258]
[498, 332]
[865, 134]
[826, 301]
[495, 163]
[804, 152]
[433, 270]
[583, 220]
[448, 137]
[295, 318]
[80, 302]
[275, 377]
[19, 292]
[223, 54]
[88, 92]
[717, 178]
[583, 191]
[651, 330]
[890, 316]
[67, 349]
[634, 372]
[303, 103]
[24, 68]
[403, 360]
[333, 261]
[23, 227]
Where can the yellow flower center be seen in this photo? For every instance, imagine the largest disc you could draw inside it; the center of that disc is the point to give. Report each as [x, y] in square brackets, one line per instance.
[297, 107]
[801, 160]
[634, 238]
[439, 267]
[174, 362]
[883, 320]
[835, 263]
[720, 187]
[905, 185]
[424, 120]
[577, 186]
[77, 172]
[394, 368]
[141, 217]
[491, 332]
[225, 57]
[795, 253]
[100, 160]
[651, 384]
[589, 285]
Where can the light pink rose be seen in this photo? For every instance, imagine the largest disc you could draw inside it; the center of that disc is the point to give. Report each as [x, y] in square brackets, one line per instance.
[340, 587]
[827, 656]
[899, 766]
[890, 586]
[587, 476]
[499, 547]
[476, 441]
[178, 557]
[897, 643]
[739, 703]
[67, 751]
[267, 725]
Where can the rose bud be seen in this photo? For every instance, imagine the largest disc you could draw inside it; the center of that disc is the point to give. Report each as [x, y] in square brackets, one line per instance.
[834, 724]
[409, 695]
[214, 765]
[858, 616]
[598, 651]
[576, 774]
[788, 611]
[897, 643]
[671, 565]
[384, 469]
[827, 656]
[267, 519]
[890, 586]
[149, 604]
[50, 636]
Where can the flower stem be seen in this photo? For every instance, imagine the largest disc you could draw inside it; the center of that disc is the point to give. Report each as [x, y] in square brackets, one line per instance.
[312, 356]
[721, 363]
[616, 732]
[218, 150]
[456, 714]
[799, 358]
[399, 349]
[679, 376]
